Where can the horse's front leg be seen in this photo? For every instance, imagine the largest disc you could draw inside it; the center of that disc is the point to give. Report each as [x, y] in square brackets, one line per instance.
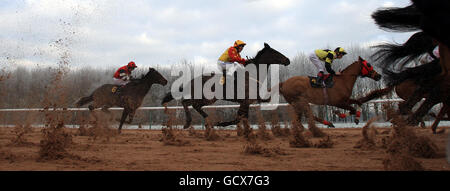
[122, 120]
[354, 101]
[352, 110]
[131, 116]
[325, 122]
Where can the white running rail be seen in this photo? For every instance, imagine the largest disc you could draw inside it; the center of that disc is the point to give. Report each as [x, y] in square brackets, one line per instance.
[173, 107]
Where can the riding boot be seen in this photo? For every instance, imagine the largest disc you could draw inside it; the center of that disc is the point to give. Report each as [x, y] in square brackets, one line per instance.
[119, 90]
[320, 77]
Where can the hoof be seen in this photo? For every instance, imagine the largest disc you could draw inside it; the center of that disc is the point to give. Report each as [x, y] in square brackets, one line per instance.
[356, 121]
[331, 126]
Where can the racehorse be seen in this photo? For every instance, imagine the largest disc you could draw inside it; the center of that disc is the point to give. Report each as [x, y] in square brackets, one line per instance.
[409, 80]
[130, 96]
[433, 18]
[298, 90]
[265, 57]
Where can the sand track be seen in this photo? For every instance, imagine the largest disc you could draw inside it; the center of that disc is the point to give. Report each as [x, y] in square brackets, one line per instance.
[144, 150]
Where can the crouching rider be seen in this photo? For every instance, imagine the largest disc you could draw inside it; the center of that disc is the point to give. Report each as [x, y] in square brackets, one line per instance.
[231, 60]
[123, 75]
[322, 60]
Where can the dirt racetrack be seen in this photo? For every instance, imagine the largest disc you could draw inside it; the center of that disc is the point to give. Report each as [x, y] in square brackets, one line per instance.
[139, 150]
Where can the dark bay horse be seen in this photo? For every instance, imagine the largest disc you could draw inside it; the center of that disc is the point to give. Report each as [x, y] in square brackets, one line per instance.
[130, 98]
[264, 57]
[433, 18]
[298, 89]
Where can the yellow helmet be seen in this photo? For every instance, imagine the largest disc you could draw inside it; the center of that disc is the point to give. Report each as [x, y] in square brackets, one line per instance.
[239, 43]
[340, 51]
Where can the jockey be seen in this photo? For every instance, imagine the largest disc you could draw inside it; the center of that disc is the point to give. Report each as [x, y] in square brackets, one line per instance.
[323, 59]
[230, 60]
[122, 75]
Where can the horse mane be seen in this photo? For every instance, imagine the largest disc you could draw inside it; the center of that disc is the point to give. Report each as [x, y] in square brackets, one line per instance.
[419, 74]
[349, 66]
[396, 19]
[258, 55]
[398, 55]
[139, 80]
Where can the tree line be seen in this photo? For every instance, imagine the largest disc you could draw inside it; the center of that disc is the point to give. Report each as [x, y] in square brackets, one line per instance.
[23, 87]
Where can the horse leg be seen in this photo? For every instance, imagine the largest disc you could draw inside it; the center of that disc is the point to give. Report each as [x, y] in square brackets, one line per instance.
[198, 108]
[406, 106]
[423, 109]
[353, 101]
[131, 116]
[122, 120]
[325, 122]
[430, 101]
[188, 115]
[352, 112]
[242, 113]
[438, 119]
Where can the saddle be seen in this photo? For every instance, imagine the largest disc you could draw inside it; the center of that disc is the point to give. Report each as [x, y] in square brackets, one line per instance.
[328, 80]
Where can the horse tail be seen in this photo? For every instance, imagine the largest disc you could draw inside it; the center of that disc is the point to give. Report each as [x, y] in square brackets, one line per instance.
[375, 94]
[395, 55]
[433, 22]
[396, 19]
[85, 100]
[167, 98]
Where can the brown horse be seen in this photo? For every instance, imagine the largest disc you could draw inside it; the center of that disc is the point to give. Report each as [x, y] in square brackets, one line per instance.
[264, 57]
[130, 98]
[298, 89]
[404, 90]
[433, 18]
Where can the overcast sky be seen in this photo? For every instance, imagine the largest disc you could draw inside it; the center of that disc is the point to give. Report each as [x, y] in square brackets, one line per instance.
[109, 33]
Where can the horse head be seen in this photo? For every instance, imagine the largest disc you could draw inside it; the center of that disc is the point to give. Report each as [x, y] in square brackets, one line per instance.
[155, 77]
[367, 70]
[269, 56]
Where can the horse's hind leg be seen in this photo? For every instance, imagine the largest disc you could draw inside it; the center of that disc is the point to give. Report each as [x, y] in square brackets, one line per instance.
[198, 108]
[188, 115]
[242, 113]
